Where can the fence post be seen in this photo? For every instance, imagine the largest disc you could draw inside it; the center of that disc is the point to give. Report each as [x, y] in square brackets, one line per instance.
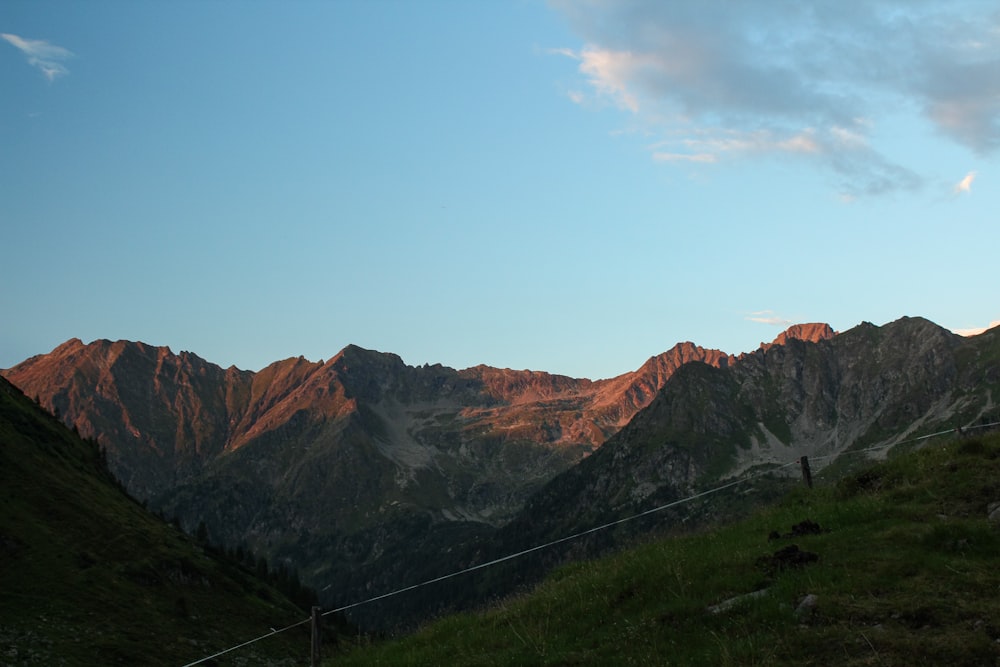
[316, 640]
[806, 473]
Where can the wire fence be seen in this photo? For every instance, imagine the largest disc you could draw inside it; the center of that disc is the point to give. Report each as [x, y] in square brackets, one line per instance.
[589, 531]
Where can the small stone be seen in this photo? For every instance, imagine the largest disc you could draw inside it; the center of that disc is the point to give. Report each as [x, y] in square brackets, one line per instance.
[726, 605]
[787, 557]
[807, 527]
[993, 512]
[807, 606]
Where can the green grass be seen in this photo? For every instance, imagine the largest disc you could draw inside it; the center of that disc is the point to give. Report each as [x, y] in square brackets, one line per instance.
[907, 575]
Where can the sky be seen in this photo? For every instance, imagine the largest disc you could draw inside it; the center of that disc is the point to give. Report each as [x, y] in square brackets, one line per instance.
[566, 186]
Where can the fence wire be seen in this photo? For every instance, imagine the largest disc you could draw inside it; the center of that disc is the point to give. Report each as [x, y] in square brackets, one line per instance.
[589, 531]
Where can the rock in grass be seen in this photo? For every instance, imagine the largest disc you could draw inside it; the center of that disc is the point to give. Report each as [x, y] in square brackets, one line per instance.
[785, 558]
[726, 605]
[806, 606]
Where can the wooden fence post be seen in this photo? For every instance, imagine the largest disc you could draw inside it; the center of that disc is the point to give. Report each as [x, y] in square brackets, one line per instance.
[316, 638]
[806, 473]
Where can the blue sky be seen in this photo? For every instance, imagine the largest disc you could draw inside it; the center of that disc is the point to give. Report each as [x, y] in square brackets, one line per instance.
[569, 186]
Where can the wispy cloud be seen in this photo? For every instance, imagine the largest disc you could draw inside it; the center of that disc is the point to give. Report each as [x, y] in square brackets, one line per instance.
[721, 80]
[664, 156]
[609, 72]
[48, 58]
[769, 317]
[975, 331]
[965, 185]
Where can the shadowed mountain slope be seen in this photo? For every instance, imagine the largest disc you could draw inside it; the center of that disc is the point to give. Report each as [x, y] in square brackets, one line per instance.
[89, 577]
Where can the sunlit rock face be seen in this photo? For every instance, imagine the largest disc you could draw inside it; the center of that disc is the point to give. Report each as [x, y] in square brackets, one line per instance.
[467, 444]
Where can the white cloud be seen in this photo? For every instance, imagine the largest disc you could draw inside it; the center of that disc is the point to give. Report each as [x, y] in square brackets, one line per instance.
[609, 73]
[976, 330]
[766, 77]
[965, 185]
[661, 156]
[48, 58]
[714, 145]
[569, 53]
[803, 142]
[769, 317]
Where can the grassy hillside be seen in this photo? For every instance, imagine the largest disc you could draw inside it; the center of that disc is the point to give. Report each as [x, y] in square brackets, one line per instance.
[88, 577]
[903, 571]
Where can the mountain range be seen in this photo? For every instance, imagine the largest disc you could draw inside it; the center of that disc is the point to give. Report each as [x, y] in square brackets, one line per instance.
[869, 387]
[365, 473]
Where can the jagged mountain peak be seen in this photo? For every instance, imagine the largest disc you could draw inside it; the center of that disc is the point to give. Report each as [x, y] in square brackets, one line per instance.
[682, 353]
[904, 336]
[75, 365]
[812, 332]
[352, 353]
[919, 326]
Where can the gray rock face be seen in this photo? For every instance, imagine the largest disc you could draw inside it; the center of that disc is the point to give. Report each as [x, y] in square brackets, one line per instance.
[866, 387]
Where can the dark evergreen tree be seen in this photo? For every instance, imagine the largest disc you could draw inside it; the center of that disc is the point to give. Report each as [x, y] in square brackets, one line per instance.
[201, 534]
